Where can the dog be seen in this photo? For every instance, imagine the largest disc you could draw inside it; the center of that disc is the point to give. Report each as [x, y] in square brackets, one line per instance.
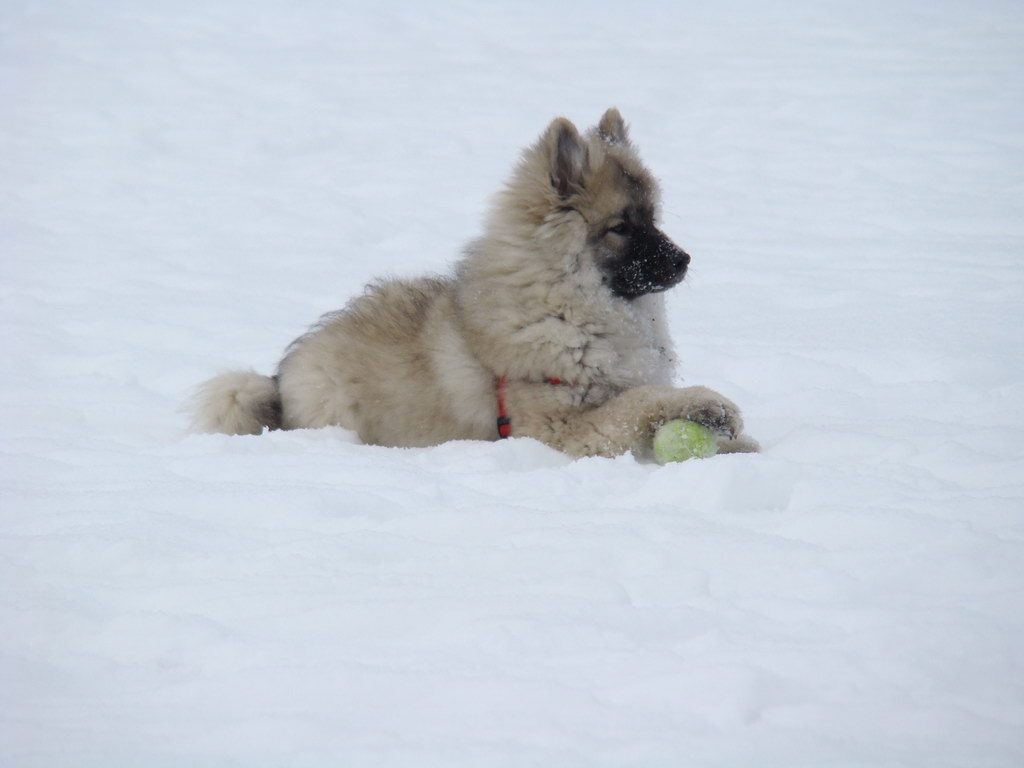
[552, 327]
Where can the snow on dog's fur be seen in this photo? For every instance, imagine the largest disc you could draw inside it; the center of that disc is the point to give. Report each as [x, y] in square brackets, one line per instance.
[559, 301]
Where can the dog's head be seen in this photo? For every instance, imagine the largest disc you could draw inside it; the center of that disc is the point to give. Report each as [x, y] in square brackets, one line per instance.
[590, 197]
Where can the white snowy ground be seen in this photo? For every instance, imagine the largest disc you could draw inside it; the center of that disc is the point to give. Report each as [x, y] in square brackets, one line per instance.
[184, 186]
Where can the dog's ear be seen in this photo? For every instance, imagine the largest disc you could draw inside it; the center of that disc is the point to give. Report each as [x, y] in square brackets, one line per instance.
[567, 157]
[612, 127]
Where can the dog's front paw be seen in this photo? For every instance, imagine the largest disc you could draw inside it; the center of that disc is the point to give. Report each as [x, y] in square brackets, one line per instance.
[712, 410]
[738, 444]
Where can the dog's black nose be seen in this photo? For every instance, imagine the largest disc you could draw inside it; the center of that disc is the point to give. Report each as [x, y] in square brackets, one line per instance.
[682, 260]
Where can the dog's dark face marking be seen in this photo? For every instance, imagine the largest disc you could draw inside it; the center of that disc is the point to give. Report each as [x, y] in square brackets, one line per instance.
[638, 258]
[635, 256]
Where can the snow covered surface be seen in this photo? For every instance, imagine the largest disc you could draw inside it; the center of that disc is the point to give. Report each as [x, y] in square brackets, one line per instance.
[184, 186]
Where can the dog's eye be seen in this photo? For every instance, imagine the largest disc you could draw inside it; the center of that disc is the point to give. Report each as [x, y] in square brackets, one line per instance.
[621, 229]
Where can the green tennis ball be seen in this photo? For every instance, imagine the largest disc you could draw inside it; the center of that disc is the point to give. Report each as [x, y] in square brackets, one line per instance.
[679, 440]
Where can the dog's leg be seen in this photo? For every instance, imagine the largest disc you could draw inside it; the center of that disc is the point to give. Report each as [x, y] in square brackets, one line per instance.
[737, 444]
[628, 421]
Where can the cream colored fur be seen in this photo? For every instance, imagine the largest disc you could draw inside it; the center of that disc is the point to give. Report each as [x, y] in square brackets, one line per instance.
[413, 363]
[235, 403]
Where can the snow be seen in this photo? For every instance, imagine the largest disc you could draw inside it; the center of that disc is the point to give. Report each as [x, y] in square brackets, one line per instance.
[185, 187]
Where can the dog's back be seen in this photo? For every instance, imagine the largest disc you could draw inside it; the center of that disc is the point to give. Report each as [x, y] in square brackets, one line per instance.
[392, 366]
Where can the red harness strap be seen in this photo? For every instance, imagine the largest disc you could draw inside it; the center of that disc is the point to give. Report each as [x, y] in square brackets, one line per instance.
[504, 422]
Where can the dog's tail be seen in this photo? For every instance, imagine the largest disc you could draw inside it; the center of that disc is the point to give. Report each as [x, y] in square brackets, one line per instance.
[237, 403]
